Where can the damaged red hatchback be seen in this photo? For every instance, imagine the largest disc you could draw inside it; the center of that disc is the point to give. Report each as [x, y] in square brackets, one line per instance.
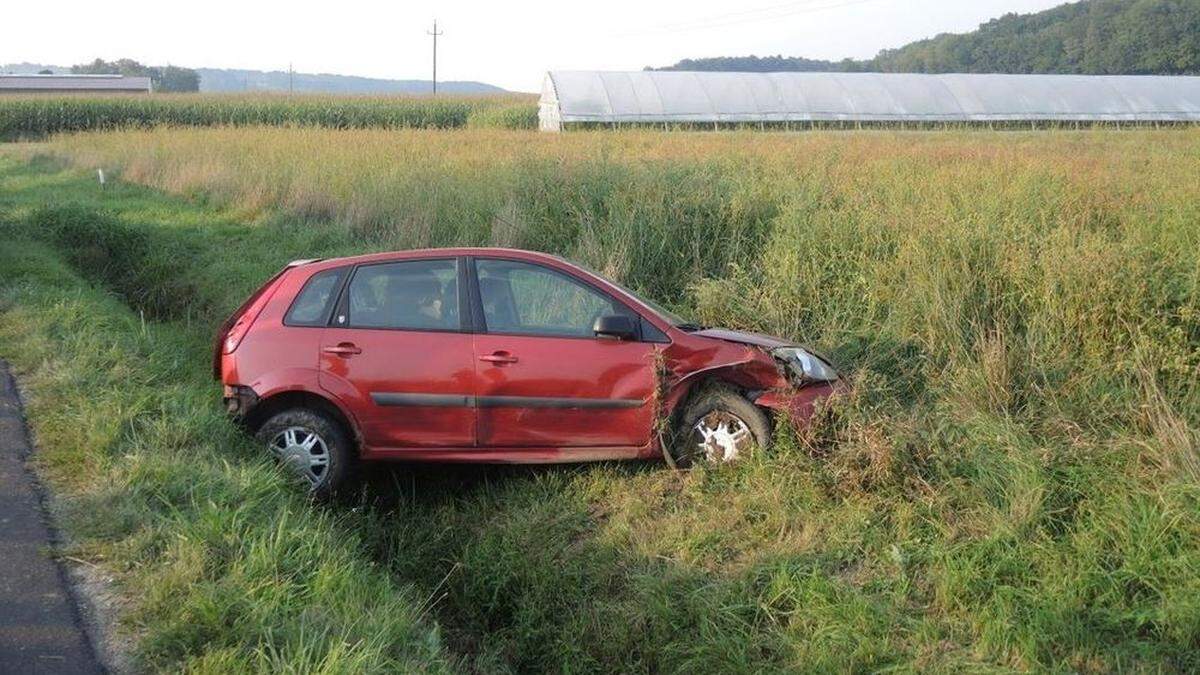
[494, 355]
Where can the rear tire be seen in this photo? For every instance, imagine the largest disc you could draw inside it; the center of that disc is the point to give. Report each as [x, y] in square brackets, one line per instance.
[314, 449]
[718, 426]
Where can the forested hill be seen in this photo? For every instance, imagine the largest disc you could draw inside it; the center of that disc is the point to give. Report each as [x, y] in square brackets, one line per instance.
[1097, 37]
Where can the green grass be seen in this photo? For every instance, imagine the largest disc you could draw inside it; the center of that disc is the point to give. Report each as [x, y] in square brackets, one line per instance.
[523, 115]
[1013, 485]
[35, 116]
[221, 566]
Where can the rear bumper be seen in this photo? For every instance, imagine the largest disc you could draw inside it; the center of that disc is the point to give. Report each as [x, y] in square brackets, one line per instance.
[239, 401]
[799, 404]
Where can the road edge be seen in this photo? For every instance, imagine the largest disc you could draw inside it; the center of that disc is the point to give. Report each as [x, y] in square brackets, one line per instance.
[87, 589]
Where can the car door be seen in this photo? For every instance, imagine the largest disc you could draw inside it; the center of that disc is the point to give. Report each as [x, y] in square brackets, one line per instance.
[543, 378]
[397, 355]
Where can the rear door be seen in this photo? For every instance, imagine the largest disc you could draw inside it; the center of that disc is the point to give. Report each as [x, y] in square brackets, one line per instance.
[544, 380]
[397, 354]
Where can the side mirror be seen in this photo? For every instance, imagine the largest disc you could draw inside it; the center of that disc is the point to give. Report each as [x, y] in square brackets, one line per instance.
[615, 326]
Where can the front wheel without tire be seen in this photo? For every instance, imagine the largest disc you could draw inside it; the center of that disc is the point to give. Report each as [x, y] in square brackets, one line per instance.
[717, 427]
[311, 447]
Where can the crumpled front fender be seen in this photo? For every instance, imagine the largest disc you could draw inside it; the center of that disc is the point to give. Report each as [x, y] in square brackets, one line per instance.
[749, 368]
[798, 405]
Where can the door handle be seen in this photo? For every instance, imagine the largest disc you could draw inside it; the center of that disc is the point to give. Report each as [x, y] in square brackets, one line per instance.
[343, 349]
[499, 358]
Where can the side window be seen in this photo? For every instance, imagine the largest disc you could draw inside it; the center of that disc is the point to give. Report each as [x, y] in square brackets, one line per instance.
[530, 299]
[311, 307]
[412, 295]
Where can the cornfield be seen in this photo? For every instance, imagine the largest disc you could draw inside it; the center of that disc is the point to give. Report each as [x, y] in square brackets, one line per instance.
[38, 116]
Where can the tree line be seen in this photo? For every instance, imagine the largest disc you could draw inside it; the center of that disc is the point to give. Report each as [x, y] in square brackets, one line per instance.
[1093, 37]
[166, 78]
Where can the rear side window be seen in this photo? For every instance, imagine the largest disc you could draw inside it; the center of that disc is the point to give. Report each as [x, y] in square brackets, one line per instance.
[312, 306]
[410, 295]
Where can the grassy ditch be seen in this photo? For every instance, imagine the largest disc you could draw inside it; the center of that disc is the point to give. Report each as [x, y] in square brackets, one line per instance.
[220, 567]
[1013, 486]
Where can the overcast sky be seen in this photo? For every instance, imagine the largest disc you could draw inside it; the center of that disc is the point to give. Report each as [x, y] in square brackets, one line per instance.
[510, 44]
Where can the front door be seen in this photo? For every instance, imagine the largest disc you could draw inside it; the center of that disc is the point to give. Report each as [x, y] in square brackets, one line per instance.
[544, 380]
[395, 355]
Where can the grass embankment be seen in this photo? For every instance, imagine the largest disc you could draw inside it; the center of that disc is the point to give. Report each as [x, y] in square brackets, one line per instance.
[1013, 486]
[35, 116]
[220, 567]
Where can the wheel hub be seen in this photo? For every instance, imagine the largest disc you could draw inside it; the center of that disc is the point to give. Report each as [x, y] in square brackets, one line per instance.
[721, 437]
[302, 452]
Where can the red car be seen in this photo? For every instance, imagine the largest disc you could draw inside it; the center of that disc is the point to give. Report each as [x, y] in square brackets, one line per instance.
[494, 355]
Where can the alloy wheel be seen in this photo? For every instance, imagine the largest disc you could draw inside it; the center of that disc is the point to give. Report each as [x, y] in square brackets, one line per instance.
[303, 452]
[720, 437]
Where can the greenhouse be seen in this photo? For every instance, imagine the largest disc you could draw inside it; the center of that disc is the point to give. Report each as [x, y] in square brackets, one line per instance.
[714, 99]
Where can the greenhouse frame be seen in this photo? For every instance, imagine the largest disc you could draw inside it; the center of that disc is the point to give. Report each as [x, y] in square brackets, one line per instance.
[599, 98]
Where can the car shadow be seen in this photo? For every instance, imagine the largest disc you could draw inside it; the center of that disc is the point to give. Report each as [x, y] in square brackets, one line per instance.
[389, 485]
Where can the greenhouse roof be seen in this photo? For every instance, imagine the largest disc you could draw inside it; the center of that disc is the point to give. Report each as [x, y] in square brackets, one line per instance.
[674, 96]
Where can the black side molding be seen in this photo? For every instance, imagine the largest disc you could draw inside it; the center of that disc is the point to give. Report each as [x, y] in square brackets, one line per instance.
[398, 399]
[555, 402]
[424, 400]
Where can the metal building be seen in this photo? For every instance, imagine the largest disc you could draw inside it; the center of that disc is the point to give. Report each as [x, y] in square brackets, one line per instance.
[662, 97]
[73, 84]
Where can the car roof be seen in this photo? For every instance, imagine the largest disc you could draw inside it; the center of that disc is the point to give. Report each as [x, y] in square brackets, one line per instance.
[417, 254]
[481, 251]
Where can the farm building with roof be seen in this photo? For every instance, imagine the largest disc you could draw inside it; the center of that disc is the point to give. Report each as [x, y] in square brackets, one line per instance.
[83, 84]
[582, 98]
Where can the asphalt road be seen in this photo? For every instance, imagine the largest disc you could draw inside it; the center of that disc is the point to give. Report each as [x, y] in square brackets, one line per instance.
[40, 626]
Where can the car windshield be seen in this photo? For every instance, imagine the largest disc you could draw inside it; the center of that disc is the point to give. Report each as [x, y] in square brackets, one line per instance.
[669, 316]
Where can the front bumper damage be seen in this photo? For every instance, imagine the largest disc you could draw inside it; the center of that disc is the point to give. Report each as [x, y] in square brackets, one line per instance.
[798, 405]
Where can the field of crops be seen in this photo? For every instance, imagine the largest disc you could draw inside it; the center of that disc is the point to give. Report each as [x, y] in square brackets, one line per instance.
[37, 116]
[1012, 486]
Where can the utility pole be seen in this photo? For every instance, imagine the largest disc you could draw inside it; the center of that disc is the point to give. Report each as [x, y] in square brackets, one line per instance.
[291, 87]
[435, 35]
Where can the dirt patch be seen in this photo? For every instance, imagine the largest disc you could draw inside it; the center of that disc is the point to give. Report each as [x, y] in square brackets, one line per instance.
[100, 606]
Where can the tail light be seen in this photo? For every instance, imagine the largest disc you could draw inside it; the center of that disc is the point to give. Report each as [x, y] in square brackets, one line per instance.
[231, 332]
[233, 337]
[234, 329]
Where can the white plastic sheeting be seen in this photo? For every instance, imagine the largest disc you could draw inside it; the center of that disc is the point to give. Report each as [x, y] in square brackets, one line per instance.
[84, 83]
[672, 96]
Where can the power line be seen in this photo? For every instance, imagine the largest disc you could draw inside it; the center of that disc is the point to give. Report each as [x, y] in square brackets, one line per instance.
[435, 35]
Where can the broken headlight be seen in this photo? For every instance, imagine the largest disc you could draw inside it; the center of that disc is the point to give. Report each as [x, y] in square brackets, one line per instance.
[803, 366]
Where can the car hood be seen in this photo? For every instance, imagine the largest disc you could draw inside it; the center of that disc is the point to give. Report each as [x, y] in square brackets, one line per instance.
[754, 339]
